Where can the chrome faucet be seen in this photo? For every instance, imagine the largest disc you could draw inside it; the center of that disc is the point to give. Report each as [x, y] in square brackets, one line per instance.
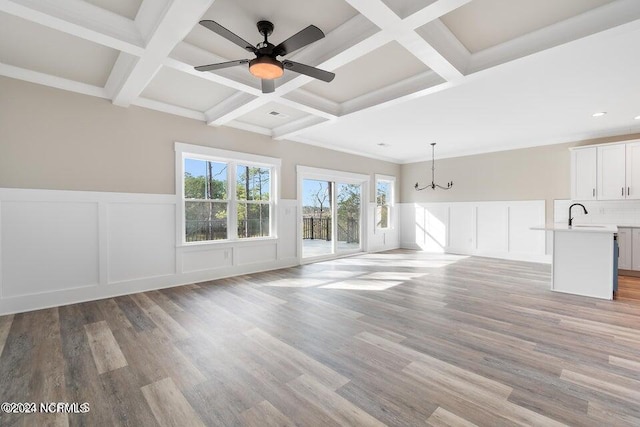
[576, 204]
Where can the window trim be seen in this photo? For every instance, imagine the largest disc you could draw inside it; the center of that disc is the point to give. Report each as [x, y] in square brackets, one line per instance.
[391, 215]
[232, 159]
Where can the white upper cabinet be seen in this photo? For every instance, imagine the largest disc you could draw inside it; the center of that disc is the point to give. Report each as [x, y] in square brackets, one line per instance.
[611, 172]
[606, 171]
[633, 170]
[583, 174]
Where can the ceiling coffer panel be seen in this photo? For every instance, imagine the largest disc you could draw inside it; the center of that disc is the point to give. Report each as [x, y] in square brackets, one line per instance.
[382, 67]
[481, 24]
[184, 90]
[28, 45]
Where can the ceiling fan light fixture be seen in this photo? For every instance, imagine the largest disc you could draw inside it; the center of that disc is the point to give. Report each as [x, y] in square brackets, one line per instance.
[265, 67]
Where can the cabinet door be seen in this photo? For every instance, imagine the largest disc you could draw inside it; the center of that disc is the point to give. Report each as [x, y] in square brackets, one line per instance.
[611, 172]
[583, 174]
[635, 250]
[633, 170]
[624, 244]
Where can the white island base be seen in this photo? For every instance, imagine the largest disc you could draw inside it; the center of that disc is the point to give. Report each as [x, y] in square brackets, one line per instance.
[583, 259]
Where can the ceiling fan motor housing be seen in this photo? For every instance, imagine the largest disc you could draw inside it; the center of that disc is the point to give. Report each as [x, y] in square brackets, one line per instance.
[265, 28]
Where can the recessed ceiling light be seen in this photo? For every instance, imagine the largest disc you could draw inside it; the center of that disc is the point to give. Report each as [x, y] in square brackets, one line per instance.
[599, 114]
[382, 144]
[636, 118]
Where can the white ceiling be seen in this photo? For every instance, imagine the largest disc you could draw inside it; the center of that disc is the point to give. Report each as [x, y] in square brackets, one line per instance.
[473, 75]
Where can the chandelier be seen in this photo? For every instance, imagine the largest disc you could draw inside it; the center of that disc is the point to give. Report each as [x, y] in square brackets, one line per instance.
[433, 185]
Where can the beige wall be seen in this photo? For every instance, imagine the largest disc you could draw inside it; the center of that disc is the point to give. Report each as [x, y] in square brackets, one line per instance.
[539, 173]
[53, 139]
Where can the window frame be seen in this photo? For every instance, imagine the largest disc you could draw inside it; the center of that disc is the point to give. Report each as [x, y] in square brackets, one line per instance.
[391, 206]
[233, 159]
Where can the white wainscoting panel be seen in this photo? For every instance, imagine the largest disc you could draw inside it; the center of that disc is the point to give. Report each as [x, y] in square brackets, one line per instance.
[287, 228]
[494, 229]
[48, 246]
[201, 258]
[462, 236]
[491, 228]
[61, 247]
[436, 236]
[522, 239]
[141, 239]
[255, 253]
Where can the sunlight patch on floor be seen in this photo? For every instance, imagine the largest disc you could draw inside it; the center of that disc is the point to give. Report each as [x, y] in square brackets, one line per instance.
[392, 275]
[336, 274]
[362, 285]
[296, 283]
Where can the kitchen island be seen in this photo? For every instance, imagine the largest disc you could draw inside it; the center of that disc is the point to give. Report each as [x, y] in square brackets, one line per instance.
[583, 259]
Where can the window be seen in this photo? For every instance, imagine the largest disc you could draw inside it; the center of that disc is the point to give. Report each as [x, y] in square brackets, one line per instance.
[206, 205]
[253, 189]
[226, 195]
[384, 201]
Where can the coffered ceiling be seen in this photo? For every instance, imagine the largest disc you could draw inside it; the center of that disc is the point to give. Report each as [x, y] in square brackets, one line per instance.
[472, 75]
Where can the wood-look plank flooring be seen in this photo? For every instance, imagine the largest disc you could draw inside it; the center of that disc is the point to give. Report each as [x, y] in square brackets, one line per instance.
[399, 338]
[628, 288]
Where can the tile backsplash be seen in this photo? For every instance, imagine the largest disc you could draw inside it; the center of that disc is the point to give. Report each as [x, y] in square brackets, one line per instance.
[616, 212]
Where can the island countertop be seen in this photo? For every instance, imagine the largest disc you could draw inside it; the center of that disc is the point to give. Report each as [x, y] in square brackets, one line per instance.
[583, 228]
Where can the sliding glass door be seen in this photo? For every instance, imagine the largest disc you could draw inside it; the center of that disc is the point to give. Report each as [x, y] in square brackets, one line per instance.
[348, 206]
[331, 218]
[317, 230]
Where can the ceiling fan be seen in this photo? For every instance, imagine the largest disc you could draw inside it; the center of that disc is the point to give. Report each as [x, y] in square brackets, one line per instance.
[265, 65]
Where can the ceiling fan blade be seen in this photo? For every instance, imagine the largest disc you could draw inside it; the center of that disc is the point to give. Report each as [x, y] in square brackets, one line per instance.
[307, 70]
[232, 37]
[268, 86]
[221, 65]
[299, 40]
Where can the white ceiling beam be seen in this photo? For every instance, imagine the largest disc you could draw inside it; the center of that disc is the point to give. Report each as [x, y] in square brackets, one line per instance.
[232, 103]
[119, 73]
[396, 91]
[305, 108]
[250, 127]
[382, 98]
[80, 19]
[296, 126]
[446, 43]
[167, 26]
[52, 81]
[385, 18]
[429, 55]
[432, 12]
[313, 104]
[168, 108]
